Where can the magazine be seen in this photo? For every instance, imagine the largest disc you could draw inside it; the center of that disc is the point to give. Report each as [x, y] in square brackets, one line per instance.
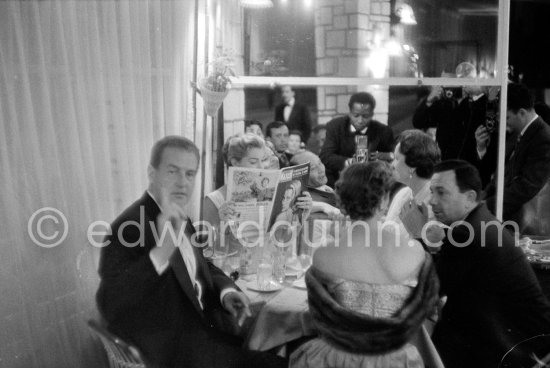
[292, 182]
[263, 196]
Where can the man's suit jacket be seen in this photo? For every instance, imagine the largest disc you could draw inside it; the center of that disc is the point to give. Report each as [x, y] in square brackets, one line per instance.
[494, 299]
[299, 119]
[319, 195]
[340, 144]
[526, 171]
[159, 313]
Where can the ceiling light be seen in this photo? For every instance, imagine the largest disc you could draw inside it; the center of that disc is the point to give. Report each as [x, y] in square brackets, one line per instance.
[405, 13]
[256, 4]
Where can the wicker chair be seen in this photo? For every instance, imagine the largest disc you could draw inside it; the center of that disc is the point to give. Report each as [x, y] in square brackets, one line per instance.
[119, 353]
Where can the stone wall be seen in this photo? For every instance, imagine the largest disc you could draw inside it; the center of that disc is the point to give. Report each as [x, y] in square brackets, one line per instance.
[346, 32]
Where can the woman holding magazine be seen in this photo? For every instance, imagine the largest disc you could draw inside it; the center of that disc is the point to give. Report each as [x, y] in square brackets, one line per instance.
[247, 151]
[369, 291]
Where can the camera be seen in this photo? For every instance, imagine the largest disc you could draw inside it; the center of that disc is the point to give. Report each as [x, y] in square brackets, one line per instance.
[490, 122]
[451, 92]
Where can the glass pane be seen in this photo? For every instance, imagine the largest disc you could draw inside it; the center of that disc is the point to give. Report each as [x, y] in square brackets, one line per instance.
[451, 115]
[385, 38]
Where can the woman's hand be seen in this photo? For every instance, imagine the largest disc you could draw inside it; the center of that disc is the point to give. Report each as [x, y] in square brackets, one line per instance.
[227, 212]
[326, 208]
[305, 202]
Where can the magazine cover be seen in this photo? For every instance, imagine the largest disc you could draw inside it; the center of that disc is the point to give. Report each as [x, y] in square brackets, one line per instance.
[292, 182]
[252, 191]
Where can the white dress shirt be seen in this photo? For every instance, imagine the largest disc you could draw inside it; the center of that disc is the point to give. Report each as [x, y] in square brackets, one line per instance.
[353, 130]
[190, 263]
[288, 109]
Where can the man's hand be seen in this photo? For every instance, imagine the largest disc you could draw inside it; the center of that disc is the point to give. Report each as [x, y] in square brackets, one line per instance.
[483, 138]
[237, 303]
[173, 217]
[435, 94]
[434, 236]
[414, 217]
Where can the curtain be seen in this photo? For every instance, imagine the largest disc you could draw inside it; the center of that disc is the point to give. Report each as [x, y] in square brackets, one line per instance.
[86, 87]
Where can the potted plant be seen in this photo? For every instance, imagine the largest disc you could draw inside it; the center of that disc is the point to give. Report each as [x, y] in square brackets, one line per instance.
[215, 86]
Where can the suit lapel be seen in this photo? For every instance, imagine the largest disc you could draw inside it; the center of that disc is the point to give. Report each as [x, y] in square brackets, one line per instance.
[176, 260]
[373, 137]
[182, 275]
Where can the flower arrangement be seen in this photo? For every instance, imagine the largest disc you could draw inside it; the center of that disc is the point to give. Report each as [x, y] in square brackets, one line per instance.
[220, 69]
[215, 86]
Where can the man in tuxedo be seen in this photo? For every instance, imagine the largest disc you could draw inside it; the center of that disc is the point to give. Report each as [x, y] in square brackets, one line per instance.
[293, 113]
[339, 147]
[277, 133]
[157, 290]
[494, 300]
[528, 165]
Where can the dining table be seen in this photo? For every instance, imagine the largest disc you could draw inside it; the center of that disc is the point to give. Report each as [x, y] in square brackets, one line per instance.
[537, 251]
[281, 317]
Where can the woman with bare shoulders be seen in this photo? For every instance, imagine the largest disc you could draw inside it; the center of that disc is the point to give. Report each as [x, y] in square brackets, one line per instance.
[370, 291]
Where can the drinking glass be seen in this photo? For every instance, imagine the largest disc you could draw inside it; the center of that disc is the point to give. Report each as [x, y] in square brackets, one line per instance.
[246, 261]
[231, 265]
[306, 256]
[264, 275]
[207, 241]
[279, 264]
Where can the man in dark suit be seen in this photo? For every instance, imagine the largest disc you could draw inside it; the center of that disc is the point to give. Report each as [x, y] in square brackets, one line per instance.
[339, 147]
[528, 165]
[157, 290]
[277, 133]
[494, 299]
[293, 113]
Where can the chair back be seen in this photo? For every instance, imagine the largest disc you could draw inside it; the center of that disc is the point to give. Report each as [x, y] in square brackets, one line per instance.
[533, 352]
[119, 353]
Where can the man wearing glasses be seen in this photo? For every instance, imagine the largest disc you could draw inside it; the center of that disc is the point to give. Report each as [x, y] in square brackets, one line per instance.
[343, 132]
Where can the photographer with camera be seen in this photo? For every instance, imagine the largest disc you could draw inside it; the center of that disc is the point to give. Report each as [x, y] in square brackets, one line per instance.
[487, 151]
[457, 113]
[435, 115]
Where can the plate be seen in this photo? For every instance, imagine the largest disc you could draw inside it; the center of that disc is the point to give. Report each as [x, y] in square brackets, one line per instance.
[272, 286]
[300, 283]
[292, 273]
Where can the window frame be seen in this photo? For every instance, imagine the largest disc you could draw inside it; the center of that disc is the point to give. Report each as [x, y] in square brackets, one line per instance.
[500, 80]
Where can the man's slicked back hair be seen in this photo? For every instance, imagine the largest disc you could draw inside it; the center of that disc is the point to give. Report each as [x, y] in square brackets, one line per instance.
[174, 141]
[467, 175]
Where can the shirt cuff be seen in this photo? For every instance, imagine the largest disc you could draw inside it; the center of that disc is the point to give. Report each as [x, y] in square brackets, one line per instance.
[160, 267]
[225, 292]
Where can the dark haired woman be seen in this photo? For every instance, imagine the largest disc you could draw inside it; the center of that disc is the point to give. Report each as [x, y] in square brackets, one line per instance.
[368, 292]
[416, 154]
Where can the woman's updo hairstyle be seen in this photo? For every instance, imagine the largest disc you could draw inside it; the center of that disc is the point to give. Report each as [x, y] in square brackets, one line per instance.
[421, 152]
[237, 146]
[362, 187]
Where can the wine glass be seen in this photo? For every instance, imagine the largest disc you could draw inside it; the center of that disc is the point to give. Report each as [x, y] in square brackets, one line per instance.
[305, 257]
